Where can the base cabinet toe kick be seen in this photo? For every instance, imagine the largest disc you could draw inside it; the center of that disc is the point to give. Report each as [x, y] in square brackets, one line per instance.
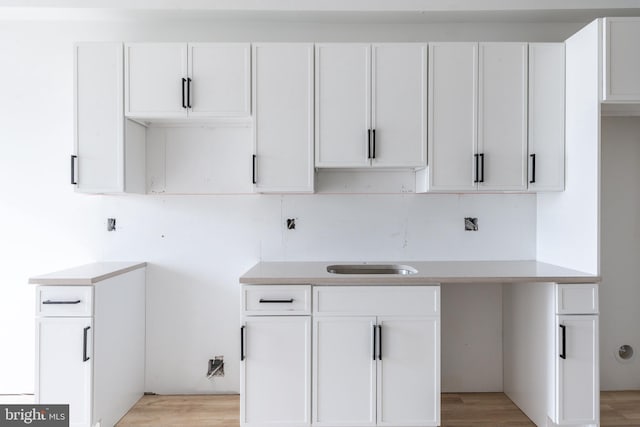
[342, 355]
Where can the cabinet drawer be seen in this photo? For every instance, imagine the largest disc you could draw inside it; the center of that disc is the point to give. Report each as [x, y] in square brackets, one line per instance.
[377, 300]
[276, 300]
[64, 301]
[577, 299]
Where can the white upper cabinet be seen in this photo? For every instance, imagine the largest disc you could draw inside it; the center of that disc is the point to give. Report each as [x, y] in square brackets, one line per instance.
[283, 117]
[478, 117]
[453, 115]
[370, 105]
[621, 65]
[399, 104]
[343, 105]
[220, 75]
[502, 116]
[176, 80]
[546, 116]
[109, 150]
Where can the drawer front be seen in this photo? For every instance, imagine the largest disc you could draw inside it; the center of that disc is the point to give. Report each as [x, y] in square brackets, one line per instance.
[64, 301]
[278, 300]
[377, 300]
[577, 299]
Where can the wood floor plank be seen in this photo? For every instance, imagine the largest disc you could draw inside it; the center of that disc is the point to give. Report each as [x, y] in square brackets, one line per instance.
[618, 409]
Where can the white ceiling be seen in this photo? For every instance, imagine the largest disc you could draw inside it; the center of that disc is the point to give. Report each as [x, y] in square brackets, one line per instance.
[394, 11]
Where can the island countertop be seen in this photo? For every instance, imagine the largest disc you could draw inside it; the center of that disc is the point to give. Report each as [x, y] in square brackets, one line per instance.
[269, 273]
[88, 274]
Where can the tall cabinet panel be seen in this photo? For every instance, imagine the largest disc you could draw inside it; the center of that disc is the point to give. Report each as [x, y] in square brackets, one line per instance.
[502, 119]
[546, 116]
[343, 106]
[453, 113]
[97, 166]
[283, 117]
[399, 104]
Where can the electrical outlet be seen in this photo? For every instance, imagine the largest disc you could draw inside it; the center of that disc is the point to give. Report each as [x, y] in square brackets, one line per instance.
[216, 367]
[471, 224]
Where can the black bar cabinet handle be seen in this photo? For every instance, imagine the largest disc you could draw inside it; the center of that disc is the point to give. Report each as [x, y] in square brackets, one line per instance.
[253, 179]
[477, 159]
[368, 143]
[241, 343]
[189, 92]
[84, 344]
[563, 354]
[374, 342]
[481, 167]
[379, 342]
[184, 105]
[73, 169]
[61, 302]
[276, 301]
[533, 168]
[373, 131]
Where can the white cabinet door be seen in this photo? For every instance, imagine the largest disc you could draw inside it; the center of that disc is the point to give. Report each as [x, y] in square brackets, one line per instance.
[276, 371]
[64, 358]
[283, 117]
[546, 116]
[453, 77]
[343, 104]
[99, 118]
[399, 104]
[621, 71]
[220, 79]
[576, 370]
[344, 371]
[155, 80]
[502, 116]
[409, 371]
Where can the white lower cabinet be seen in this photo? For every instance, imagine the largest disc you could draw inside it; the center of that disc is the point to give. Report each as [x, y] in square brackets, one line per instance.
[90, 348]
[376, 356]
[65, 365]
[576, 378]
[275, 356]
[375, 352]
[574, 395]
[344, 371]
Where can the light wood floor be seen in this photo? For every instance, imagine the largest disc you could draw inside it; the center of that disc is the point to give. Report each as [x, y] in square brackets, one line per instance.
[620, 408]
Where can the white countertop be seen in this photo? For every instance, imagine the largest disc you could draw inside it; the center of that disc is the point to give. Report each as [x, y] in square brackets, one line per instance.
[88, 274]
[265, 273]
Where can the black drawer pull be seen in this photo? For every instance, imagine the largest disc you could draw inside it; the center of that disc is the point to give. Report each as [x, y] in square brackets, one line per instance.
[84, 344]
[242, 357]
[563, 355]
[276, 301]
[62, 302]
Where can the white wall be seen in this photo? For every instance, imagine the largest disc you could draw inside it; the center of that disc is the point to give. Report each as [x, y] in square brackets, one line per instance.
[199, 245]
[620, 289]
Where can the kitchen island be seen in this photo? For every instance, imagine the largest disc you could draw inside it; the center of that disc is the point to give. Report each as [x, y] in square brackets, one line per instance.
[340, 348]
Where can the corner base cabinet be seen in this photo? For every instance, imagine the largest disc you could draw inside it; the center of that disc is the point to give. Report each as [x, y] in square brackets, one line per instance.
[90, 342]
[370, 358]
